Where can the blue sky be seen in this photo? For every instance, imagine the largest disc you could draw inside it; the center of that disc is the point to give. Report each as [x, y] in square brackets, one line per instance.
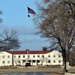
[15, 17]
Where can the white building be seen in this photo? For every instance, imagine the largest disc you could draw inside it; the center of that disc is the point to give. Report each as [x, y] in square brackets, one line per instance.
[33, 57]
[5, 58]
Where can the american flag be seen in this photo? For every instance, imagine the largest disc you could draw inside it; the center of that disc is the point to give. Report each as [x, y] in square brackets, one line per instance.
[31, 11]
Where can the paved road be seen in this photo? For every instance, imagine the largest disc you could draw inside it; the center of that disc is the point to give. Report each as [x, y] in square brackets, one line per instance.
[24, 73]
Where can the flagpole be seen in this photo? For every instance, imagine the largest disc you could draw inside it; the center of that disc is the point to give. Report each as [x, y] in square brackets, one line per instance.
[31, 11]
[27, 30]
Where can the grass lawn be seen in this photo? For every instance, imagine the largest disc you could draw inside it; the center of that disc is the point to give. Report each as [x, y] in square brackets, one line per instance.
[27, 69]
[30, 69]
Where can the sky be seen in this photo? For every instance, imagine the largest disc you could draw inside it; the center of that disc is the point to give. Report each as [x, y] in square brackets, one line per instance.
[15, 18]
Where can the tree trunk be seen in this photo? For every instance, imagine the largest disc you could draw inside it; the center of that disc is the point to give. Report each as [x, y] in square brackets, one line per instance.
[67, 60]
[64, 60]
[65, 66]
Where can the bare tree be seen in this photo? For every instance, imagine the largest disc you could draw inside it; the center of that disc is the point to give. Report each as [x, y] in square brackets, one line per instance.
[9, 41]
[56, 21]
[72, 57]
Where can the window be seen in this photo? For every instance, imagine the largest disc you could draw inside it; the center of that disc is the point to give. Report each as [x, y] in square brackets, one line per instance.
[23, 56]
[38, 56]
[24, 61]
[18, 61]
[48, 55]
[38, 61]
[28, 56]
[59, 61]
[53, 55]
[19, 56]
[33, 61]
[49, 61]
[8, 61]
[3, 62]
[54, 61]
[33, 56]
[3, 56]
[59, 55]
[8, 56]
[43, 56]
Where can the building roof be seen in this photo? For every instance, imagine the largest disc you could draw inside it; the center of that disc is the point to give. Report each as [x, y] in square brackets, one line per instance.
[29, 52]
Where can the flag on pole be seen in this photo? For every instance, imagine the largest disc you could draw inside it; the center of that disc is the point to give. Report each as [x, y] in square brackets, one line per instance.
[31, 11]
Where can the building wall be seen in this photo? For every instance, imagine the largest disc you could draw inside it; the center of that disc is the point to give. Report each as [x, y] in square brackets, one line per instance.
[5, 59]
[20, 58]
[55, 58]
[51, 58]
